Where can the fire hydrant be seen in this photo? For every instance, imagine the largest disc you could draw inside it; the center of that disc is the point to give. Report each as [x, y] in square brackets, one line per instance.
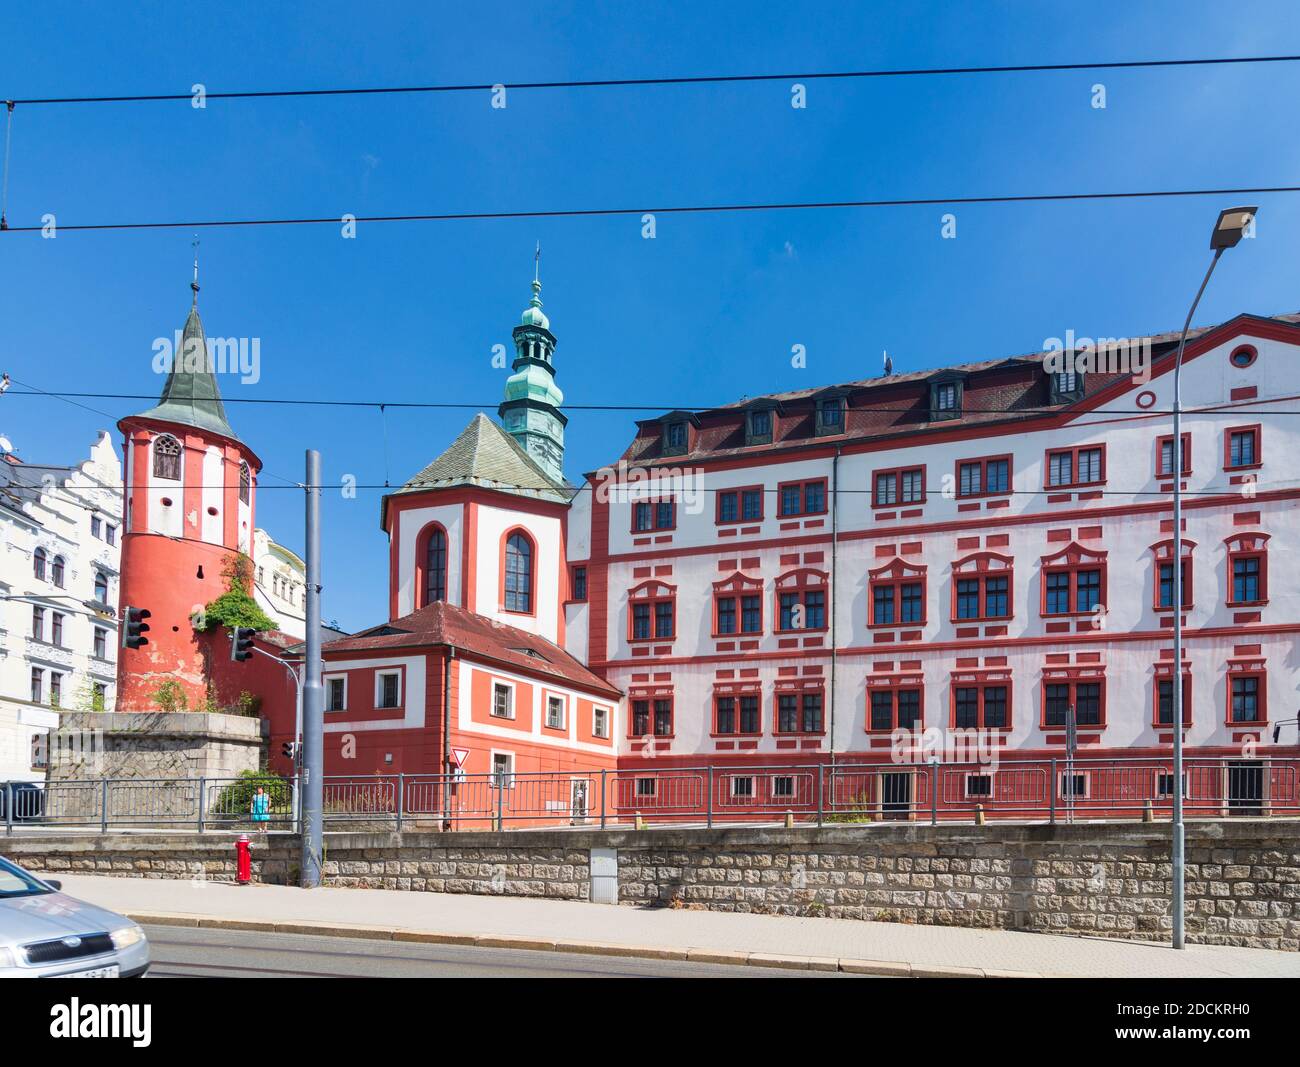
[243, 860]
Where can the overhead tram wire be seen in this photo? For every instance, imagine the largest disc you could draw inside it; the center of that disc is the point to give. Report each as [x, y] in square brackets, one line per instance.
[465, 405]
[676, 209]
[693, 79]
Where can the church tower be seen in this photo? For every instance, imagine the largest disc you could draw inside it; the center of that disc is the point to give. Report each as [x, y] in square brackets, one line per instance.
[531, 412]
[188, 509]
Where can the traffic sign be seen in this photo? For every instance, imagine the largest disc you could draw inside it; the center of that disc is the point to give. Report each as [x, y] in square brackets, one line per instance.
[460, 755]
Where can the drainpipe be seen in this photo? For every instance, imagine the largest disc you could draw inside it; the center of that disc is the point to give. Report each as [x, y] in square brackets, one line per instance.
[446, 735]
[834, 605]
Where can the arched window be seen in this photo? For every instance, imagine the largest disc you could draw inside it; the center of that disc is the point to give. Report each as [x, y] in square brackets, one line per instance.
[38, 564]
[435, 566]
[245, 483]
[519, 573]
[56, 571]
[167, 458]
[101, 587]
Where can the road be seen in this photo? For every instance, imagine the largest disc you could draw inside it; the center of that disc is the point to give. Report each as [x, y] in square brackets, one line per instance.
[184, 952]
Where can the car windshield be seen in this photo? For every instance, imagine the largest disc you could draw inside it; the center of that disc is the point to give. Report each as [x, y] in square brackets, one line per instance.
[16, 882]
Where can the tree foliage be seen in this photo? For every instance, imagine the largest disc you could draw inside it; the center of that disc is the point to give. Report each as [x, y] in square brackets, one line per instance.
[236, 606]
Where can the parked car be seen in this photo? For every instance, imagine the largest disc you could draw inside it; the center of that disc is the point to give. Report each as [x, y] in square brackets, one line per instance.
[44, 933]
[28, 801]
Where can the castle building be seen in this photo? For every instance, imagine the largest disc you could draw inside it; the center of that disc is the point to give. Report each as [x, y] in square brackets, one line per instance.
[188, 509]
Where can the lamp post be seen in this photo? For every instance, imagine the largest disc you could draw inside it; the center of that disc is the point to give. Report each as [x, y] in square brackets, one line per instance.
[1228, 230]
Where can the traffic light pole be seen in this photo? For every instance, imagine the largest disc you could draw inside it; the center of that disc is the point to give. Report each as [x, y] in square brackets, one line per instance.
[313, 726]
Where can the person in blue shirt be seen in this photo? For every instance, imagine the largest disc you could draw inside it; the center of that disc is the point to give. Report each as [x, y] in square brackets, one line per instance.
[261, 809]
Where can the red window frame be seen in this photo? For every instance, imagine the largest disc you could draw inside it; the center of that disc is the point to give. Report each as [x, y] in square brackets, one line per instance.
[896, 473]
[1247, 668]
[983, 567]
[979, 680]
[798, 689]
[891, 684]
[802, 581]
[736, 693]
[1073, 559]
[1164, 555]
[651, 592]
[1256, 430]
[983, 463]
[534, 564]
[651, 698]
[803, 484]
[653, 503]
[736, 588]
[739, 493]
[1073, 677]
[1247, 546]
[894, 575]
[1074, 482]
[1168, 438]
[1165, 673]
[422, 564]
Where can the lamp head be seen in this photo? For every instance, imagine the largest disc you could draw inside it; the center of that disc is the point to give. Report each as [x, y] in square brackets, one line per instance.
[1231, 227]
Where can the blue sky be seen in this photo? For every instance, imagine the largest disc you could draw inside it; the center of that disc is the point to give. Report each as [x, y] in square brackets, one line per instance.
[704, 313]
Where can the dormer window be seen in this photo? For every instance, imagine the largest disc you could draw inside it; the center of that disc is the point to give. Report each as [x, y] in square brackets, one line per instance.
[1065, 386]
[675, 438]
[758, 426]
[945, 399]
[830, 413]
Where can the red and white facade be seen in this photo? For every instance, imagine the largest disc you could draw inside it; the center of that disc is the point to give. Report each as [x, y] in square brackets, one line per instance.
[985, 560]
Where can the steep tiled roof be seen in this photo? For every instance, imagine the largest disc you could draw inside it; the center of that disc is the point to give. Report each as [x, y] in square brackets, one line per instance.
[190, 396]
[441, 623]
[486, 456]
[997, 390]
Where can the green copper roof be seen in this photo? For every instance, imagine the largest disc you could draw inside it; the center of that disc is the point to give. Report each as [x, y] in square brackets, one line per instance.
[191, 396]
[533, 314]
[486, 456]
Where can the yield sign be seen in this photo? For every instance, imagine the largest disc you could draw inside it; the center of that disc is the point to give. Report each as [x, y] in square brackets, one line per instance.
[460, 755]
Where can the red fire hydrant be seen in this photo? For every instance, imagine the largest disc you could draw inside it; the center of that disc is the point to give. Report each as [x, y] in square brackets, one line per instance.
[244, 860]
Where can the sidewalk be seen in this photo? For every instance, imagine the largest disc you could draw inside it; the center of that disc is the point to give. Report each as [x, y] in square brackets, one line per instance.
[717, 937]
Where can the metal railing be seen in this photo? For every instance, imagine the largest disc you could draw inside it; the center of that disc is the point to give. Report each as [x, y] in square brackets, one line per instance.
[1048, 790]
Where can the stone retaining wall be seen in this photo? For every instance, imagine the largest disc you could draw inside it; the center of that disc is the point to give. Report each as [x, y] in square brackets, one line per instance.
[1243, 877]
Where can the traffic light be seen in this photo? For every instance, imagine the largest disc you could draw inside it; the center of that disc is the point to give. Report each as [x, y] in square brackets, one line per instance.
[241, 643]
[134, 627]
[290, 751]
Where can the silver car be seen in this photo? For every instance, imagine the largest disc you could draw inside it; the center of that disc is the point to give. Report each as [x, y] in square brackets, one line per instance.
[44, 933]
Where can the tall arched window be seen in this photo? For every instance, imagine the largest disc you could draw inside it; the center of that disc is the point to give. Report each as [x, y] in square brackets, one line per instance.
[435, 566]
[56, 571]
[167, 458]
[101, 587]
[38, 564]
[519, 573]
[245, 483]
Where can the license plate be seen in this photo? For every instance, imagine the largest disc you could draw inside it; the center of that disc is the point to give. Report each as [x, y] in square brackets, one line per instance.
[111, 971]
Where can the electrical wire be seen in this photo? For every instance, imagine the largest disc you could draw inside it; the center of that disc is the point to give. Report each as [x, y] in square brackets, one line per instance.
[679, 209]
[694, 79]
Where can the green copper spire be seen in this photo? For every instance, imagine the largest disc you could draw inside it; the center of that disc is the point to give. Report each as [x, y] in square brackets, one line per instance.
[530, 411]
[190, 396]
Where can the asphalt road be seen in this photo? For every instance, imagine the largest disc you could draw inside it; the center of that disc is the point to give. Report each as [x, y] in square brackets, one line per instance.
[182, 952]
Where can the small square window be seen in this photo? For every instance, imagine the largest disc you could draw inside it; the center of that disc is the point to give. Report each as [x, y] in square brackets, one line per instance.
[555, 712]
[388, 689]
[600, 722]
[783, 786]
[336, 691]
[742, 786]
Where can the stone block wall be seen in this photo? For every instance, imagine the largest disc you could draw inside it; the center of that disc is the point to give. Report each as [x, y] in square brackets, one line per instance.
[1243, 876]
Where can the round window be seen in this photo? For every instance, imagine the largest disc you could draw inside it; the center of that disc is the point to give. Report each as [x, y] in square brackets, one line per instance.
[1243, 356]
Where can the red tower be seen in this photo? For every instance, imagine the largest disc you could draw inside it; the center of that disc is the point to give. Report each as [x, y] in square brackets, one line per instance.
[188, 509]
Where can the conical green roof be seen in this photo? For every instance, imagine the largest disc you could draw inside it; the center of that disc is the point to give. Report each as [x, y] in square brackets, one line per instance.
[191, 397]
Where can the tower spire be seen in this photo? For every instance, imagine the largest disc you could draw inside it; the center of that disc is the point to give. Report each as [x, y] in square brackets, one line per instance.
[195, 283]
[531, 411]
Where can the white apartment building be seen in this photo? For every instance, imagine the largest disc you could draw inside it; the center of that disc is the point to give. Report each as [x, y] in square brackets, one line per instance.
[59, 570]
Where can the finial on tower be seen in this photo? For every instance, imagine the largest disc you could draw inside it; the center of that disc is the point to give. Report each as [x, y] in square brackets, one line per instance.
[195, 283]
[533, 314]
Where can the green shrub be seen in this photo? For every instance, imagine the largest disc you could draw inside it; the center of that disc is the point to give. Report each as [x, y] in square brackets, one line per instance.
[236, 799]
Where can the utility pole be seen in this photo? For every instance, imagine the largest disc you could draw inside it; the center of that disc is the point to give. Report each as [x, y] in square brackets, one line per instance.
[313, 726]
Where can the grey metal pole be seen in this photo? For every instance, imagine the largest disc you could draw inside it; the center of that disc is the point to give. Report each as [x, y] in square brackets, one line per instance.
[313, 725]
[1176, 712]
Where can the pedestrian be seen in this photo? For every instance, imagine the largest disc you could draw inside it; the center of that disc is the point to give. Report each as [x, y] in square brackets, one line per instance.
[261, 809]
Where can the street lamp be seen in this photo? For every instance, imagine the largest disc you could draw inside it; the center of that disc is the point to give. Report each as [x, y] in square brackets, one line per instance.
[1228, 231]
